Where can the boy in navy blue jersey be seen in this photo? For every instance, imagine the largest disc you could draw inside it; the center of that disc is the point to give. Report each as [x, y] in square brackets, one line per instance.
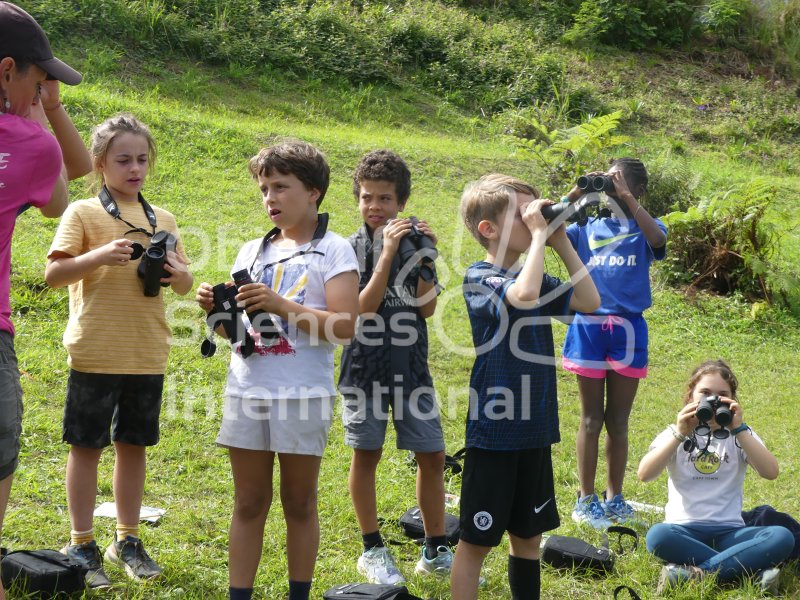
[507, 483]
[386, 366]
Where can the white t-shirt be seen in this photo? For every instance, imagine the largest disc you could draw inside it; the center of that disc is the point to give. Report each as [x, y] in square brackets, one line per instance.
[706, 487]
[294, 365]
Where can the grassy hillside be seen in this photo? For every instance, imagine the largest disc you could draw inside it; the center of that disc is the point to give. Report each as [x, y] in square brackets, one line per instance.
[209, 119]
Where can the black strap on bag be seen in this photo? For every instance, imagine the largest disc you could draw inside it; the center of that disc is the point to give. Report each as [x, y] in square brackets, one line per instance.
[630, 590]
[621, 531]
[369, 591]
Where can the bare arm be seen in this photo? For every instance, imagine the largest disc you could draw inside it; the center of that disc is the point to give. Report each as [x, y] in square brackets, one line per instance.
[337, 324]
[585, 297]
[524, 292]
[76, 157]
[180, 279]
[370, 298]
[655, 461]
[758, 456]
[59, 198]
[63, 269]
[652, 232]
[426, 290]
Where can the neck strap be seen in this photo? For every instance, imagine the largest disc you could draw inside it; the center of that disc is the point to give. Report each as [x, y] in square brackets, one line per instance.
[319, 233]
[112, 209]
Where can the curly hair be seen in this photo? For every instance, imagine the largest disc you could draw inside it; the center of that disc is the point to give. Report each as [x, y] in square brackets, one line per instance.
[383, 165]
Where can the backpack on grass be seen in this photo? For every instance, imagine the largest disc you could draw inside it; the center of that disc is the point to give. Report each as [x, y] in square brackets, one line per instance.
[369, 591]
[46, 573]
[411, 523]
[565, 552]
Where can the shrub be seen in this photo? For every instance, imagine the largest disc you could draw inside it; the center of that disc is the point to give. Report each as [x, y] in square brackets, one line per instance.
[672, 186]
[726, 245]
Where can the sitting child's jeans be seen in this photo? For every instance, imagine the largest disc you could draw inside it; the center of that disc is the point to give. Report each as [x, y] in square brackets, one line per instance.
[730, 551]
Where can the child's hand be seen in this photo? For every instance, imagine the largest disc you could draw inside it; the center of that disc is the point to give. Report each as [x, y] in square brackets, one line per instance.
[621, 189]
[258, 295]
[392, 232]
[179, 277]
[531, 213]
[116, 253]
[687, 420]
[426, 230]
[736, 411]
[205, 296]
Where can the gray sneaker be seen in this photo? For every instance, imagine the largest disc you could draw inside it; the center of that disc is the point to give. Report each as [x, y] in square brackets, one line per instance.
[88, 555]
[377, 565]
[130, 555]
[770, 581]
[439, 565]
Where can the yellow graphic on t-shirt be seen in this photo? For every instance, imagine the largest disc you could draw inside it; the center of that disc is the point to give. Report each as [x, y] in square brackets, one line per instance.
[706, 463]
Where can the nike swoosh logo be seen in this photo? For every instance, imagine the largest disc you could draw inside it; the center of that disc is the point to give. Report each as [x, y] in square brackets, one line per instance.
[595, 243]
[538, 509]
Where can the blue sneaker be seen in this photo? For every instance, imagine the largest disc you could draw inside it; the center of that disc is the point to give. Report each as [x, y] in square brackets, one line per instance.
[439, 565]
[619, 511]
[673, 575]
[589, 511]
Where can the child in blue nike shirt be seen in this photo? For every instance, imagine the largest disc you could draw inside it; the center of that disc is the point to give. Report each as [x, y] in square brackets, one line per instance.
[607, 348]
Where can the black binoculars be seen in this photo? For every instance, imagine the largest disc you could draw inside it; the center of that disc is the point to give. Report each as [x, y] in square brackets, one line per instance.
[712, 407]
[226, 312]
[151, 268]
[573, 212]
[417, 245]
[595, 183]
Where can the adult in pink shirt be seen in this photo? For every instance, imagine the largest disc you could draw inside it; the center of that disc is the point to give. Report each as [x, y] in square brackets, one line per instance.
[32, 173]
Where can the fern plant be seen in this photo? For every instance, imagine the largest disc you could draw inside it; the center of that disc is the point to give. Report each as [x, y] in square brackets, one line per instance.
[568, 153]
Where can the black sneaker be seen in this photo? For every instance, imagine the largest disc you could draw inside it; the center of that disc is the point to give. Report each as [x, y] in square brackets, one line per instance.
[88, 554]
[130, 555]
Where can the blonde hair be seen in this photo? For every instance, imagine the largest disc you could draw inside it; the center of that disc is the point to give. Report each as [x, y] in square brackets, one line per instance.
[721, 368]
[487, 198]
[107, 131]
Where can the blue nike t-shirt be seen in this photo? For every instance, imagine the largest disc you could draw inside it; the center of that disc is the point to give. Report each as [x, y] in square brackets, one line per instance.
[513, 401]
[618, 257]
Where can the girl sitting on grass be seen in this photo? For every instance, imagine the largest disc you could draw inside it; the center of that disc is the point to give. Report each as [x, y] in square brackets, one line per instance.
[703, 531]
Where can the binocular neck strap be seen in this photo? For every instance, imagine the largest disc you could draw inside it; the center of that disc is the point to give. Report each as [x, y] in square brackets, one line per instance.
[112, 209]
[319, 233]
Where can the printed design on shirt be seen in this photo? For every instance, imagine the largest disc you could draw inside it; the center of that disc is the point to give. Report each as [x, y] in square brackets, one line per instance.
[398, 296]
[483, 520]
[707, 462]
[494, 282]
[290, 281]
[597, 242]
[4, 162]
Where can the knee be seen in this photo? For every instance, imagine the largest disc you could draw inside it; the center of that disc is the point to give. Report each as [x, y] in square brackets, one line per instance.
[656, 536]
[592, 425]
[86, 456]
[783, 540]
[617, 427]
[366, 459]
[299, 507]
[251, 506]
[431, 462]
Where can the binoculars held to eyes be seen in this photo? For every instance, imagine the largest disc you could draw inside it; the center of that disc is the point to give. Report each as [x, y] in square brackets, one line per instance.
[712, 407]
[595, 183]
[151, 268]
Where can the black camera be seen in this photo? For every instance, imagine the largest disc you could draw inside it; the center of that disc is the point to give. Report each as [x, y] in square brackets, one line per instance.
[226, 312]
[151, 268]
[416, 244]
[709, 407]
[596, 183]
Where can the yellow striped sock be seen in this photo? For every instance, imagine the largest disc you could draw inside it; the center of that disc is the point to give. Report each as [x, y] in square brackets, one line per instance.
[124, 531]
[81, 537]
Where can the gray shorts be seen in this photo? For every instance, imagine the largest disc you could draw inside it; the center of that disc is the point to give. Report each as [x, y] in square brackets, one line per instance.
[415, 417]
[10, 406]
[282, 425]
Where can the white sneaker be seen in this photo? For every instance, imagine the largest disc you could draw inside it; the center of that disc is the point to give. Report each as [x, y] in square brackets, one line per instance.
[589, 511]
[439, 565]
[377, 565]
[770, 581]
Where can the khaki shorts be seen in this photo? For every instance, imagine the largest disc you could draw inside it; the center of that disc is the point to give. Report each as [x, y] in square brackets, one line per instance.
[282, 425]
[10, 406]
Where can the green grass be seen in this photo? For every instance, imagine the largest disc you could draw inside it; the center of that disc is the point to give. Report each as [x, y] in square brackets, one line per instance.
[207, 122]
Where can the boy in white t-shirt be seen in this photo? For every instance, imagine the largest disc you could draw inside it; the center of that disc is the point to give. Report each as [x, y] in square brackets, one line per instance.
[280, 392]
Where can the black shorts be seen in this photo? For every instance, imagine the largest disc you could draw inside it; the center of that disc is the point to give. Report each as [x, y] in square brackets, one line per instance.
[507, 491]
[101, 408]
[10, 406]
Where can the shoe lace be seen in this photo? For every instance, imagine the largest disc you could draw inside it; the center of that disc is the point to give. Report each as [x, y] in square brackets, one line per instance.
[595, 509]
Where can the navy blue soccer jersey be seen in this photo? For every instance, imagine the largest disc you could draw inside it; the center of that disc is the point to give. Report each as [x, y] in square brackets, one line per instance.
[513, 401]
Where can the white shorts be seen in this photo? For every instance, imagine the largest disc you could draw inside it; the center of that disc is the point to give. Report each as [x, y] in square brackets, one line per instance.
[283, 425]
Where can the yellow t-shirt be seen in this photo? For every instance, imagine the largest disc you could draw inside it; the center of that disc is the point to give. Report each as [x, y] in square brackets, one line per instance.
[113, 327]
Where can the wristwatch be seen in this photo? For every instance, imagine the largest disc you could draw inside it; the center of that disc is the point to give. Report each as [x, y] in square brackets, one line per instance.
[740, 429]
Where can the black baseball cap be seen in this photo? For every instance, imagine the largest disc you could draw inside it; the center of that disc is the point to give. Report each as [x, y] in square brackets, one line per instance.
[22, 38]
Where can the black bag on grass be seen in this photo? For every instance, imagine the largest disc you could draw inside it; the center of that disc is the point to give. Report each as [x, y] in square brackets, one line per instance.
[369, 591]
[44, 572]
[411, 522]
[565, 552]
